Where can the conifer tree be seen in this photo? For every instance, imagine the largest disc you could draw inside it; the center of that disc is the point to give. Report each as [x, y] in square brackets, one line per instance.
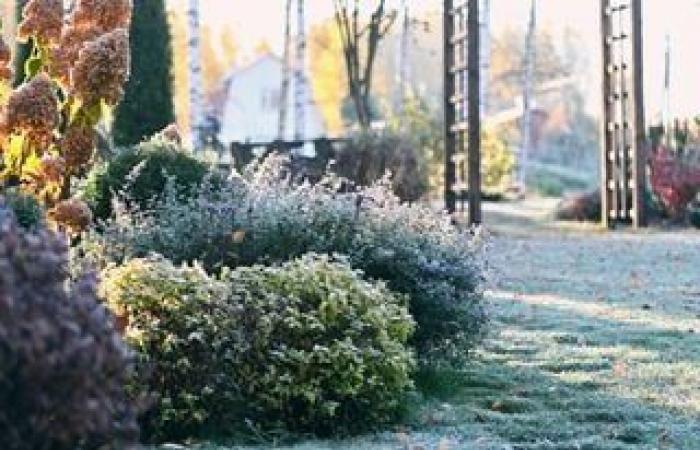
[148, 104]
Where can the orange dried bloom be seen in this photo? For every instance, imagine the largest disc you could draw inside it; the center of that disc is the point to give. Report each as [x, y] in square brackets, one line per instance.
[5, 52]
[73, 215]
[106, 15]
[5, 57]
[102, 68]
[77, 146]
[171, 133]
[53, 168]
[66, 53]
[6, 73]
[33, 110]
[42, 19]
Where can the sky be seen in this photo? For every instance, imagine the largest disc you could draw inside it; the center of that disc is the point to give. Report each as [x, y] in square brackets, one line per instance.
[258, 20]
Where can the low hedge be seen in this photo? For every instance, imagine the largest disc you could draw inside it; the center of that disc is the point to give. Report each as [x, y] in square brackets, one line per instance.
[307, 346]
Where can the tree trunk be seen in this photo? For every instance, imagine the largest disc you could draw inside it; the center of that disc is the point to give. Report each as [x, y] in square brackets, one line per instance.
[284, 89]
[299, 76]
[195, 74]
[528, 91]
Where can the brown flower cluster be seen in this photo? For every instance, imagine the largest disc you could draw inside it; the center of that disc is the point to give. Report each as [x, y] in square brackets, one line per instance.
[77, 146]
[102, 68]
[5, 58]
[90, 21]
[64, 56]
[104, 15]
[72, 215]
[52, 168]
[42, 19]
[171, 133]
[33, 110]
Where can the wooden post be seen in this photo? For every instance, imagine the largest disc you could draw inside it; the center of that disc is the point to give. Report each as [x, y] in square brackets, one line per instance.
[640, 144]
[605, 165]
[474, 106]
[449, 111]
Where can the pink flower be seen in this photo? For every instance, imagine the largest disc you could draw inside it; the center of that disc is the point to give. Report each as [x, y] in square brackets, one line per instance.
[102, 68]
[73, 215]
[42, 19]
[77, 146]
[106, 15]
[33, 110]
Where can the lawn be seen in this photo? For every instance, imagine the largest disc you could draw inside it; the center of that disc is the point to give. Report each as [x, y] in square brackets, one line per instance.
[594, 345]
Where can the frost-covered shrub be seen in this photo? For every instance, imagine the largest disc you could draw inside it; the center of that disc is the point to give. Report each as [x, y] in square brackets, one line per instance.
[321, 350]
[183, 228]
[416, 250]
[139, 173]
[63, 366]
[179, 322]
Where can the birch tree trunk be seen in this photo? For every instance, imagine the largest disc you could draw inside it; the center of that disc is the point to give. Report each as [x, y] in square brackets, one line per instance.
[195, 75]
[299, 76]
[284, 89]
[528, 91]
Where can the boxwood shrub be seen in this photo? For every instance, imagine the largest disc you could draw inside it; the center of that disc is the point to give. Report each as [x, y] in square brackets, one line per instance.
[322, 350]
[139, 174]
[307, 346]
[183, 329]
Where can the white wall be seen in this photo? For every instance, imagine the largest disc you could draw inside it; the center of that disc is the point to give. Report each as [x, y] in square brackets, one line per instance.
[251, 111]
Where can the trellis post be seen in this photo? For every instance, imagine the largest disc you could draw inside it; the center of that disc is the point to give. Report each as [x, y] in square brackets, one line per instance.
[462, 107]
[623, 126]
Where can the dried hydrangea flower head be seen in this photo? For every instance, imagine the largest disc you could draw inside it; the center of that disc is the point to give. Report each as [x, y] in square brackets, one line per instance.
[5, 52]
[5, 58]
[42, 19]
[66, 53]
[33, 110]
[72, 215]
[102, 68]
[77, 146]
[171, 133]
[105, 15]
[52, 168]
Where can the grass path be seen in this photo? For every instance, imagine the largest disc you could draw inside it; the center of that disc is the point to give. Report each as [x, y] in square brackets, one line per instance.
[595, 344]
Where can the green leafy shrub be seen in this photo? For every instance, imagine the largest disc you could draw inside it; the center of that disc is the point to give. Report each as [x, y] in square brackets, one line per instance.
[179, 322]
[138, 174]
[26, 208]
[322, 350]
[368, 156]
[309, 346]
[63, 366]
[414, 249]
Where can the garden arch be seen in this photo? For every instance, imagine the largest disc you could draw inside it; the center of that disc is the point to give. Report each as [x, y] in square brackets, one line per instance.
[622, 125]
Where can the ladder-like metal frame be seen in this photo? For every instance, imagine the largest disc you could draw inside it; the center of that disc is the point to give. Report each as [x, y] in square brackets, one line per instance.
[462, 108]
[623, 129]
[623, 158]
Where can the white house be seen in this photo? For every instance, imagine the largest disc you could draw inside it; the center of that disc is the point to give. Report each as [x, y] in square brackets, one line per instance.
[248, 102]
